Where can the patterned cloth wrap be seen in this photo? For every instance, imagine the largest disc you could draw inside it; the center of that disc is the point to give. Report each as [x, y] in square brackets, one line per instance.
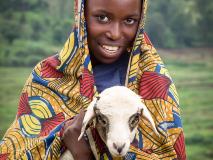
[61, 85]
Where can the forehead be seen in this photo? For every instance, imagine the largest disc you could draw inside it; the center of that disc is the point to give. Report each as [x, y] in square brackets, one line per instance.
[119, 106]
[120, 6]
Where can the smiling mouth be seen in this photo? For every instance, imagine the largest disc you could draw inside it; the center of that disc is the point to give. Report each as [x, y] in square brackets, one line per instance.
[110, 49]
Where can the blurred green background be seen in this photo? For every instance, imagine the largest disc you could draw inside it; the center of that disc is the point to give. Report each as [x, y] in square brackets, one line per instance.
[182, 30]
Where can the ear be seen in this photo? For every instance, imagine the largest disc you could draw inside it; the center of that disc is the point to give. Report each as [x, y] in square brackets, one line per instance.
[146, 114]
[89, 115]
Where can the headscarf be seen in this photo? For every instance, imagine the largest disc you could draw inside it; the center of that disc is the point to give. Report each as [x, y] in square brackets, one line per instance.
[61, 85]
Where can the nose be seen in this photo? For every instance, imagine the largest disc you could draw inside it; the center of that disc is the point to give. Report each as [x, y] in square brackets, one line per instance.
[119, 148]
[114, 32]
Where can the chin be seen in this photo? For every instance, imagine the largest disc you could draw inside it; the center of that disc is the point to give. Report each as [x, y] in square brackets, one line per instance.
[108, 61]
[117, 155]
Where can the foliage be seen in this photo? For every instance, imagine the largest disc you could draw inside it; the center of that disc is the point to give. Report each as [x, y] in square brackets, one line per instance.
[25, 53]
[37, 28]
[205, 21]
[32, 29]
[181, 23]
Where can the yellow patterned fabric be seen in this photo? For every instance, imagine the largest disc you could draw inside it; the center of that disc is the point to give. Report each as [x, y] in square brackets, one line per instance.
[61, 85]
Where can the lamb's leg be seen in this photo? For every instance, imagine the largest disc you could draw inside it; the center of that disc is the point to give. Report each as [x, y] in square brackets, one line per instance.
[66, 156]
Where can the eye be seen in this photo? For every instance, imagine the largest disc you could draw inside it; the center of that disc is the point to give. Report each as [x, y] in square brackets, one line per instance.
[103, 18]
[102, 120]
[134, 120]
[130, 21]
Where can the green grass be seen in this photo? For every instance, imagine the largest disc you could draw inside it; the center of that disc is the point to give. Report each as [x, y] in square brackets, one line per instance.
[192, 72]
[11, 84]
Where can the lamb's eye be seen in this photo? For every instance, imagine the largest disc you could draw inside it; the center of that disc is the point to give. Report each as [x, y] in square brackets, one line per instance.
[102, 120]
[134, 120]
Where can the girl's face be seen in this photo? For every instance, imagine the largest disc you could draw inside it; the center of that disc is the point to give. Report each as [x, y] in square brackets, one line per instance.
[111, 27]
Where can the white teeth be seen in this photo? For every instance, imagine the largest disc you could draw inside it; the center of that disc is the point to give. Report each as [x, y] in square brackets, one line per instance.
[110, 48]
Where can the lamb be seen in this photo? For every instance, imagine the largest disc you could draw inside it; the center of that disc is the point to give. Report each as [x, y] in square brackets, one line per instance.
[116, 114]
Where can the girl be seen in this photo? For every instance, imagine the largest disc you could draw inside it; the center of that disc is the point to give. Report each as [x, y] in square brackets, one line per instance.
[108, 46]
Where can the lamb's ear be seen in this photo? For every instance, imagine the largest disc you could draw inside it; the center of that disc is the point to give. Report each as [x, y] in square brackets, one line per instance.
[146, 114]
[89, 115]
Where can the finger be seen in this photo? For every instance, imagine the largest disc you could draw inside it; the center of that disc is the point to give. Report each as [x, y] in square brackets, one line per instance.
[79, 118]
[68, 123]
[75, 121]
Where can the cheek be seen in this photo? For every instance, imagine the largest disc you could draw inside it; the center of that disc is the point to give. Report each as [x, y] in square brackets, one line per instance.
[102, 131]
[130, 33]
[94, 29]
[91, 33]
[105, 131]
[132, 135]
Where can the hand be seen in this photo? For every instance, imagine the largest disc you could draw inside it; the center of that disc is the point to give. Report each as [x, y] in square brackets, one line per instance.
[72, 129]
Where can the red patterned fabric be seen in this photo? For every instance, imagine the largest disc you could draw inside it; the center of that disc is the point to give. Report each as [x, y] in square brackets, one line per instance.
[48, 68]
[4, 156]
[180, 147]
[147, 40]
[87, 84]
[154, 85]
[51, 123]
[24, 107]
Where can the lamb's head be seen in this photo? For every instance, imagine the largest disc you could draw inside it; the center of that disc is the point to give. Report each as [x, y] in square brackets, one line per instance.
[117, 112]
